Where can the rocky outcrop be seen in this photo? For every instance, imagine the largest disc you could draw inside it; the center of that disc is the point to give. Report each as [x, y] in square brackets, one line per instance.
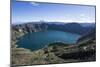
[82, 52]
[30, 27]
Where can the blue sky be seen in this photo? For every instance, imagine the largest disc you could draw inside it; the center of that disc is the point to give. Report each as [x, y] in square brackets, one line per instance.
[23, 12]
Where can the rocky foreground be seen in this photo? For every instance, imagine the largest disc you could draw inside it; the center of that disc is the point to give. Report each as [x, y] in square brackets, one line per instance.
[55, 53]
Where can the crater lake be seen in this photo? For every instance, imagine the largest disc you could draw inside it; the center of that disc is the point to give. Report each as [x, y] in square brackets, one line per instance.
[38, 40]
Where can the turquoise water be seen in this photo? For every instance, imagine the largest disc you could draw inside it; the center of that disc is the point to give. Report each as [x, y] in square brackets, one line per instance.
[38, 40]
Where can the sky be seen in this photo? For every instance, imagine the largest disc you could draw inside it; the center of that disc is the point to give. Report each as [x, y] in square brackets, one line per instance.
[23, 12]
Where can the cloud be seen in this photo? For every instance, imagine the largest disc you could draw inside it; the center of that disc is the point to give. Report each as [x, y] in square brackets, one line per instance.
[31, 2]
[82, 15]
[34, 3]
[79, 18]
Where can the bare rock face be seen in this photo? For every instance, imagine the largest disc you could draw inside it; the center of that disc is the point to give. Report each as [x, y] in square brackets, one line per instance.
[80, 52]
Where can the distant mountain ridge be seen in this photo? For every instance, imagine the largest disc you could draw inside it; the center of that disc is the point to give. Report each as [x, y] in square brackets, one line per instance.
[78, 28]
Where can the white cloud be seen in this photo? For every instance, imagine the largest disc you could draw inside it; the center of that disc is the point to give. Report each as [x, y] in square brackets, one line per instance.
[31, 2]
[82, 15]
[34, 3]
